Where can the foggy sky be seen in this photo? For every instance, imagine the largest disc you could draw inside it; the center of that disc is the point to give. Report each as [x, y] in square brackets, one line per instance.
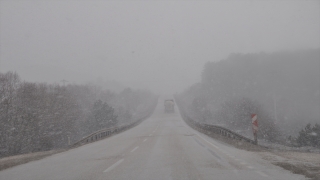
[159, 45]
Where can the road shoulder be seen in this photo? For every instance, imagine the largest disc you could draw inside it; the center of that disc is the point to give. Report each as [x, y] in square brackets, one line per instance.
[11, 161]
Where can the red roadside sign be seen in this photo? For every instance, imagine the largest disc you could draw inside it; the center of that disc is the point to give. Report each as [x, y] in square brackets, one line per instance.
[254, 118]
[255, 127]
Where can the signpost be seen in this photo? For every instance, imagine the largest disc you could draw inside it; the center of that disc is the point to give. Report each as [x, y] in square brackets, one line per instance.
[255, 128]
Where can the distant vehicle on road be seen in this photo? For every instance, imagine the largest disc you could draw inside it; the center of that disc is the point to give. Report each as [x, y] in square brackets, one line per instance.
[169, 106]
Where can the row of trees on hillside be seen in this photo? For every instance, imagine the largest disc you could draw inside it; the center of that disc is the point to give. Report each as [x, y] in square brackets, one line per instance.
[309, 136]
[40, 116]
[283, 88]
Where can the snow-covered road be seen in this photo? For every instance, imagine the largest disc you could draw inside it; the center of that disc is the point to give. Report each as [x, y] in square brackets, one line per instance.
[162, 147]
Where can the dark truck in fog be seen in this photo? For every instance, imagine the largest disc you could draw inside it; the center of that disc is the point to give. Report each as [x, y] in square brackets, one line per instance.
[169, 106]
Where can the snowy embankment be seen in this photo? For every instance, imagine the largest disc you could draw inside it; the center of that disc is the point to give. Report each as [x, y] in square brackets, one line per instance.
[281, 147]
[298, 160]
[307, 164]
[277, 146]
[11, 161]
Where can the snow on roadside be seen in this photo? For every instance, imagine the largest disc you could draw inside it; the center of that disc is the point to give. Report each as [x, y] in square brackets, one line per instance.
[11, 161]
[281, 147]
[307, 164]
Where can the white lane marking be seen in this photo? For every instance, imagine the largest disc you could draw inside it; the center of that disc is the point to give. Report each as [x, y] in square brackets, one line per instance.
[114, 165]
[250, 167]
[144, 140]
[262, 174]
[134, 149]
[207, 141]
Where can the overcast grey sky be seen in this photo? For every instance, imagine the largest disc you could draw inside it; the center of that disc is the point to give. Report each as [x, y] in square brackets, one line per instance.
[159, 45]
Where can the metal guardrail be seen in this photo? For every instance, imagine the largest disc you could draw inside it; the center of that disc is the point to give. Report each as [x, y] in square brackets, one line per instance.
[206, 128]
[103, 133]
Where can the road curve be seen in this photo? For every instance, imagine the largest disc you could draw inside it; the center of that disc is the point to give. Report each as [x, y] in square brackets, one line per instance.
[162, 147]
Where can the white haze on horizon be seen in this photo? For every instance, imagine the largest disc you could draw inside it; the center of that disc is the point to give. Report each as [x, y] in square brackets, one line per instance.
[156, 45]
